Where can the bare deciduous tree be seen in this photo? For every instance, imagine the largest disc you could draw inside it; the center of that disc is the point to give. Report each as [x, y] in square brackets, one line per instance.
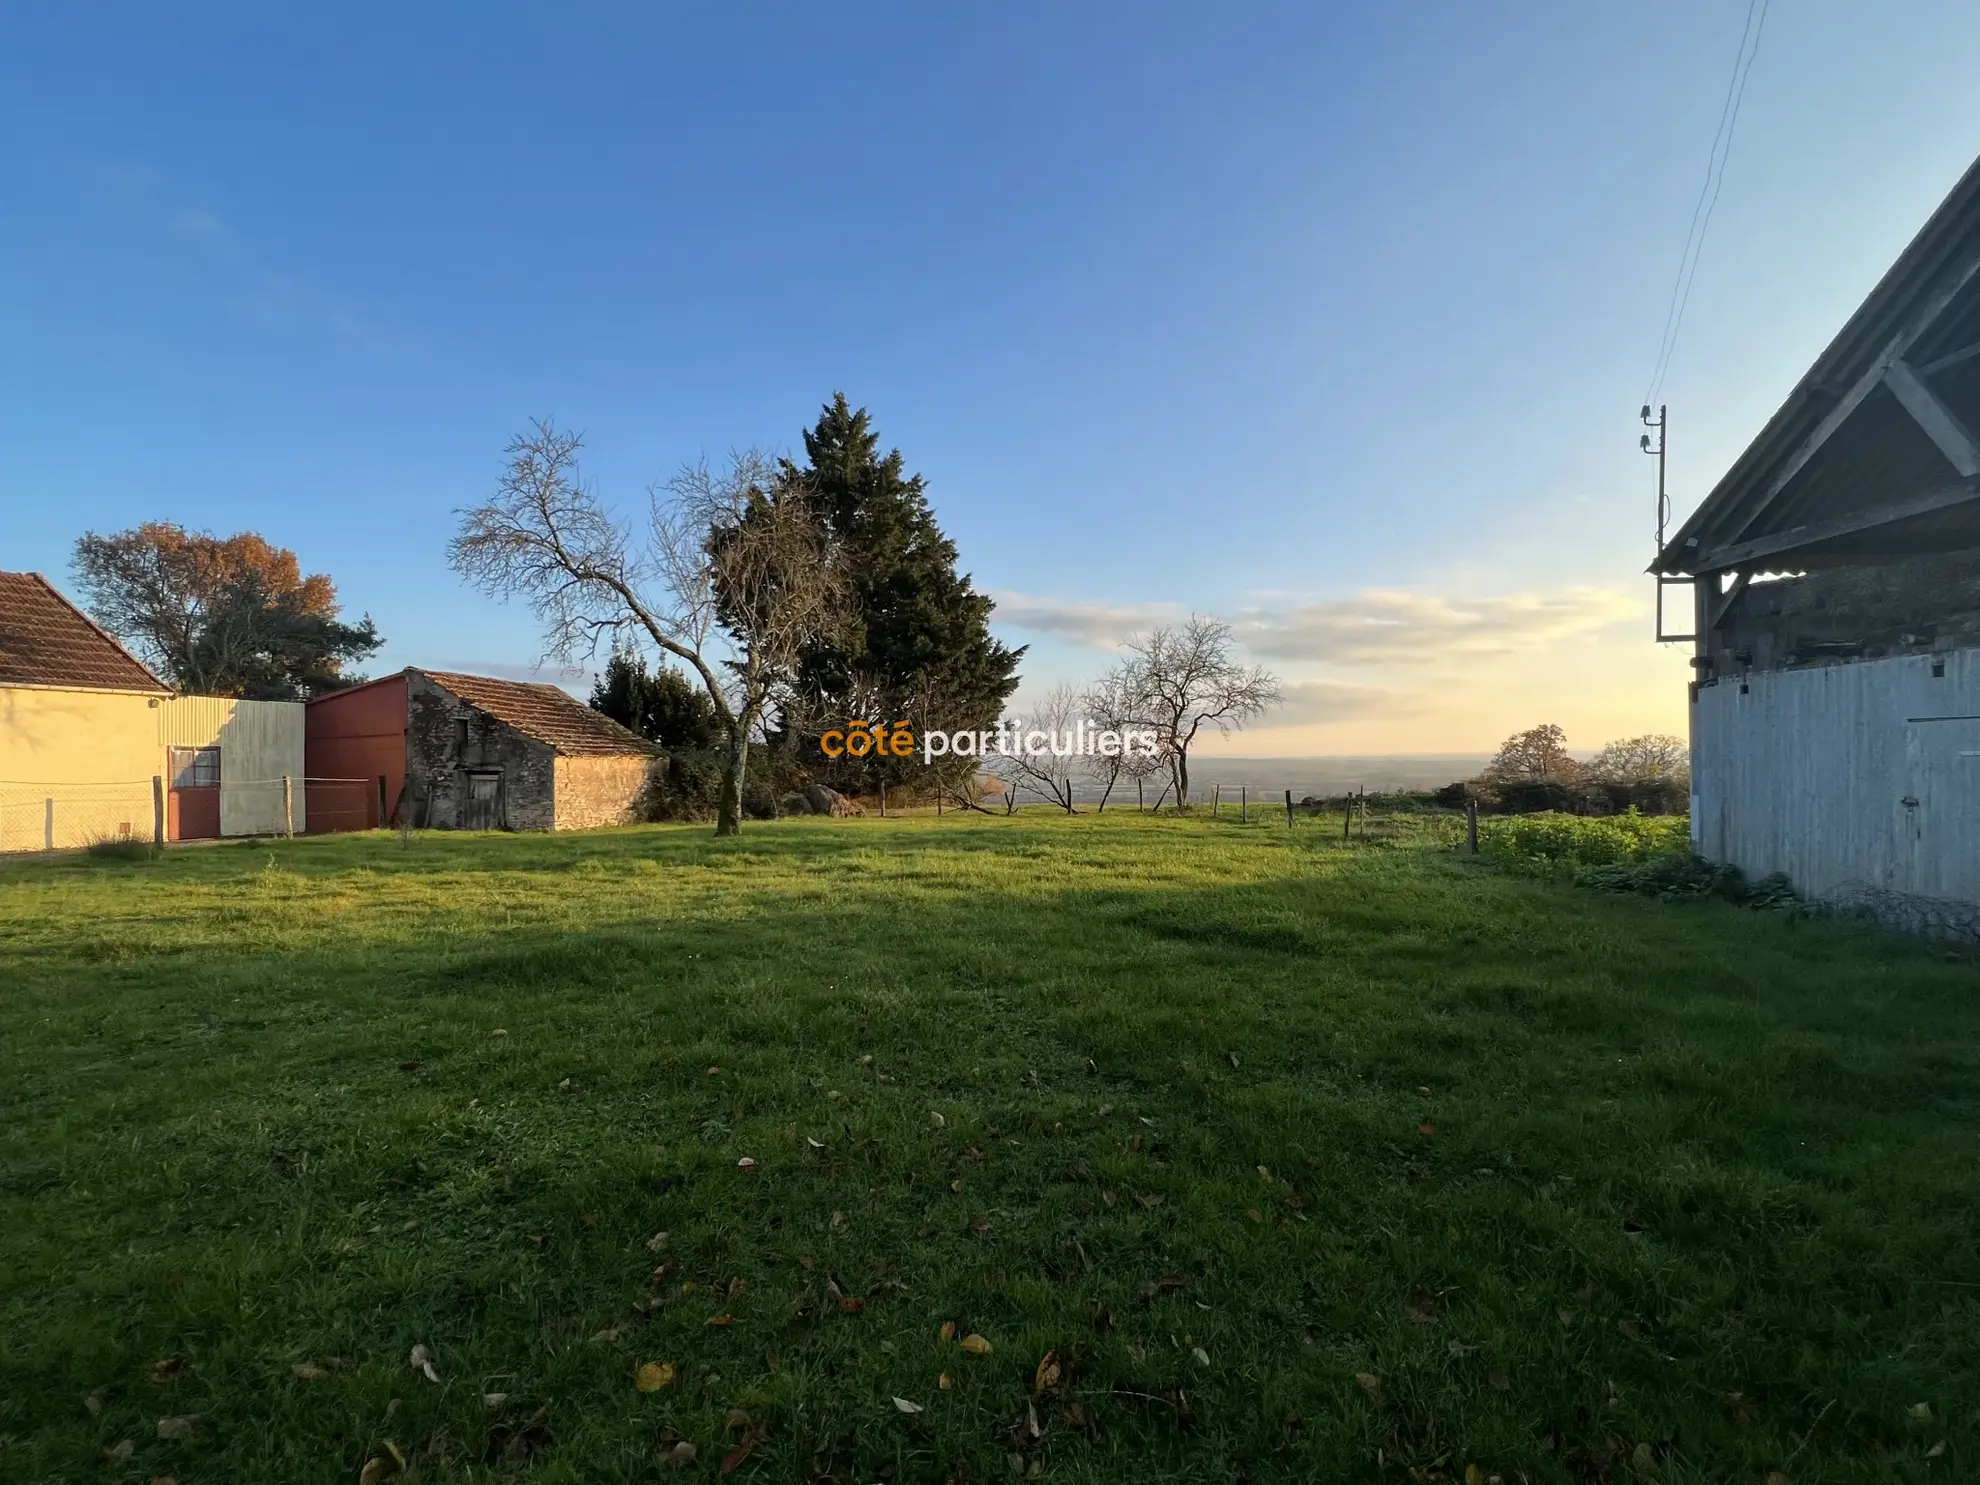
[1538, 755]
[1183, 678]
[1048, 772]
[1110, 707]
[733, 577]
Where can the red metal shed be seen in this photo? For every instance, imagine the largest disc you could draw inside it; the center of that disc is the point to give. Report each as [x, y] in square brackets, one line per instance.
[354, 750]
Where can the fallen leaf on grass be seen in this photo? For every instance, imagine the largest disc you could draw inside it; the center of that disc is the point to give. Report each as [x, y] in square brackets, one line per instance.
[1369, 1381]
[935, 1119]
[494, 1400]
[170, 1369]
[679, 1457]
[1049, 1372]
[943, 1381]
[499, 1031]
[118, 1452]
[1775, 1477]
[654, 1375]
[1202, 1356]
[1252, 1214]
[421, 1361]
[815, 1144]
[733, 1460]
[907, 1407]
[839, 1223]
[1936, 1450]
[720, 1322]
[177, 1428]
[979, 1225]
[1151, 1200]
[746, 1163]
[1919, 1412]
[956, 1185]
[93, 1403]
[1426, 1128]
[308, 1371]
[376, 1468]
[656, 1243]
[948, 1331]
[975, 1344]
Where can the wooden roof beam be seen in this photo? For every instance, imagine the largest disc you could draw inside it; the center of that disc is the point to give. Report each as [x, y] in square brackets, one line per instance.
[1939, 422]
[1746, 554]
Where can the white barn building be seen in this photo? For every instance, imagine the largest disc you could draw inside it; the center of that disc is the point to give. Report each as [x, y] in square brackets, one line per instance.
[1835, 710]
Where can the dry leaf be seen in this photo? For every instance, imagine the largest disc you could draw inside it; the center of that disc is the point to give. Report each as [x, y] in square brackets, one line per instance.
[1048, 1372]
[975, 1344]
[1775, 1477]
[680, 1456]
[1936, 1450]
[171, 1368]
[736, 1419]
[979, 1225]
[421, 1361]
[943, 1381]
[720, 1322]
[120, 1451]
[956, 1184]
[746, 1163]
[1151, 1200]
[1202, 1356]
[376, 1468]
[654, 1375]
[1426, 1128]
[815, 1144]
[907, 1407]
[734, 1458]
[494, 1400]
[1369, 1381]
[308, 1371]
[1234, 1058]
[839, 1223]
[177, 1428]
[948, 1332]
[1919, 1412]
[936, 1120]
[657, 1243]
[393, 1450]
[93, 1403]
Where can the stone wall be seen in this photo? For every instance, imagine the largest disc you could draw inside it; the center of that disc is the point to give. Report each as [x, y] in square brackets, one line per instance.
[439, 759]
[1920, 606]
[595, 791]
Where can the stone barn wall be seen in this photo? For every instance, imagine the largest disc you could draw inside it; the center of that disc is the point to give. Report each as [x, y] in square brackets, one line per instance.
[439, 759]
[594, 791]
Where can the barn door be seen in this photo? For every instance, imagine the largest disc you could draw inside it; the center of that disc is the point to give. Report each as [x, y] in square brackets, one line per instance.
[484, 802]
[1942, 809]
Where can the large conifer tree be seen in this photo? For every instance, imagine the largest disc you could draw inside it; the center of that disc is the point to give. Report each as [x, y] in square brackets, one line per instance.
[917, 641]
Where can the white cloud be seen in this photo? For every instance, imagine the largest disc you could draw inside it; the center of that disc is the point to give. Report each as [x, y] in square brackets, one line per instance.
[1378, 625]
[1099, 624]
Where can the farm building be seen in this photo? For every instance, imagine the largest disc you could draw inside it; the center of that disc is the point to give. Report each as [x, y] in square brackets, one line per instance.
[93, 746]
[436, 749]
[1835, 716]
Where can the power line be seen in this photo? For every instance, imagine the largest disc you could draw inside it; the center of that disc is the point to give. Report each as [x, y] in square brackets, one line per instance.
[1708, 193]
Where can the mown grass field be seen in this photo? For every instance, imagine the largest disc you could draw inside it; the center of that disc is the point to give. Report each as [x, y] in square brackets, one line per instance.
[1251, 1154]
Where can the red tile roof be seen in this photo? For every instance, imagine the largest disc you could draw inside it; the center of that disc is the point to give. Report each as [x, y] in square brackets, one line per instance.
[546, 713]
[45, 640]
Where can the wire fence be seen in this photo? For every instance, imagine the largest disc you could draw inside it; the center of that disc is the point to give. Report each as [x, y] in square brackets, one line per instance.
[43, 816]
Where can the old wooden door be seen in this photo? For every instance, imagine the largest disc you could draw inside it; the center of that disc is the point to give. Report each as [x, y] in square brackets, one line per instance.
[483, 807]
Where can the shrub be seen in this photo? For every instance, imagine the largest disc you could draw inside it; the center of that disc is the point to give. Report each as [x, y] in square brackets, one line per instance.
[120, 848]
[1553, 839]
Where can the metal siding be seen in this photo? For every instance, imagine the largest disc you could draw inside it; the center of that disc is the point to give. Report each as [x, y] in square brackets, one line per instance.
[260, 742]
[357, 734]
[1807, 772]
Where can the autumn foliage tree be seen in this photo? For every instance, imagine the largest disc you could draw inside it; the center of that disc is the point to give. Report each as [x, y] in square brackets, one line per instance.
[220, 616]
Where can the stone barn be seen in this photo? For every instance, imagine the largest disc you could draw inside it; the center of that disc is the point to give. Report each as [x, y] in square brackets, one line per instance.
[1835, 710]
[434, 749]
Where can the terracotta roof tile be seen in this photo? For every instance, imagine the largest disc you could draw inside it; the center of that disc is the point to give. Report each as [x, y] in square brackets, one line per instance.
[546, 713]
[45, 640]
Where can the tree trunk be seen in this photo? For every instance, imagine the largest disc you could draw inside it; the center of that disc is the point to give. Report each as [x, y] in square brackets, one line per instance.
[1182, 781]
[728, 814]
[1106, 793]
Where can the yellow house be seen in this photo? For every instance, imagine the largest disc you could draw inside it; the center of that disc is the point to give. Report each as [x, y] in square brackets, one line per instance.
[95, 747]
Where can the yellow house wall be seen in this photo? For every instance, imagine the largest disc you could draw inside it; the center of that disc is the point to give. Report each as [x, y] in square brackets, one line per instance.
[260, 742]
[93, 753]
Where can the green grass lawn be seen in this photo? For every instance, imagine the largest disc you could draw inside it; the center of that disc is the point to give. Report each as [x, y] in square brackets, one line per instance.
[1300, 1160]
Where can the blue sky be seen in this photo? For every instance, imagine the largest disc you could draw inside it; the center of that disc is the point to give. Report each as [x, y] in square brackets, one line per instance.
[1332, 320]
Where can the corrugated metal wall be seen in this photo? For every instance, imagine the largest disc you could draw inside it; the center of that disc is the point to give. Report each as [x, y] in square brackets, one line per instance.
[260, 742]
[1860, 781]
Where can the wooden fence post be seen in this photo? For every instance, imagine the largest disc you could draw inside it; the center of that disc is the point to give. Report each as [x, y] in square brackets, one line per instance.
[288, 807]
[1471, 825]
[883, 799]
[380, 823]
[157, 810]
[1216, 799]
[1347, 815]
[1288, 809]
[1244, 803]
[48, 825]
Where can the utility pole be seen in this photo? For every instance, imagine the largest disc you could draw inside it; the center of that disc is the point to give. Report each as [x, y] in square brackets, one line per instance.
[1660, 425]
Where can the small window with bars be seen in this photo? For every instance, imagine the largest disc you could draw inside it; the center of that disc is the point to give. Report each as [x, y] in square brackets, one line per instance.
[195, 768]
